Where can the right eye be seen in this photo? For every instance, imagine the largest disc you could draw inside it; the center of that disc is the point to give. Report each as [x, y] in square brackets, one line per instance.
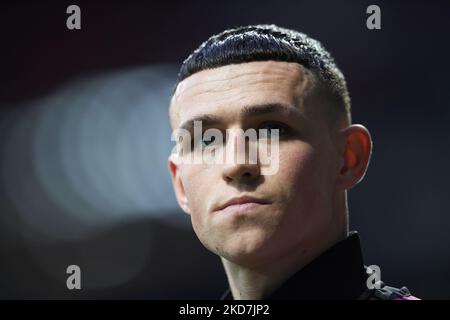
[203, 141]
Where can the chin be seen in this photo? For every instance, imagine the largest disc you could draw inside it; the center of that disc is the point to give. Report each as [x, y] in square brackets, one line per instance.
[248, 253]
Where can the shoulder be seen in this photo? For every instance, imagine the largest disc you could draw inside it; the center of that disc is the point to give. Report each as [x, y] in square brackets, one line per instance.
[384, 292]
[378, 290]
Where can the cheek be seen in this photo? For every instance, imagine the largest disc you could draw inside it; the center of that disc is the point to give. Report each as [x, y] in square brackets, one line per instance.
[297, 162]
[303, 173]
[200, 186]
[197, 187]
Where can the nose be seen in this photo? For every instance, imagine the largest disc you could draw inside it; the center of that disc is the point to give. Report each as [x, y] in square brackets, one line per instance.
[240, 168]
[237, 172]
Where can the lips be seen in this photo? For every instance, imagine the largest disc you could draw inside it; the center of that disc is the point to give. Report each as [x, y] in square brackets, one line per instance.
[242, 204]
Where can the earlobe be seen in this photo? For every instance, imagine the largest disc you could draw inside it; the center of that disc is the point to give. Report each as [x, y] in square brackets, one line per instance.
[356, 155]
[178, 187]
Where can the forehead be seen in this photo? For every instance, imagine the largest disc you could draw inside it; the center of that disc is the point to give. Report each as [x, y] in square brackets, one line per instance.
[229, 87]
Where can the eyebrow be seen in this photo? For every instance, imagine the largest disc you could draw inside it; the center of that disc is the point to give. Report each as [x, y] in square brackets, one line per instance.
[252, 110]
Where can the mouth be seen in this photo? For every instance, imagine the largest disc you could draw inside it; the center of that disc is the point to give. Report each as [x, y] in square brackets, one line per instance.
[243, 204]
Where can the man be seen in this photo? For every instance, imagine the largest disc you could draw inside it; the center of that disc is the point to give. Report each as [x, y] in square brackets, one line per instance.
[282, 235]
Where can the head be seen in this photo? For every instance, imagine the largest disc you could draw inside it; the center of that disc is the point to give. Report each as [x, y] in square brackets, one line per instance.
[266, 77]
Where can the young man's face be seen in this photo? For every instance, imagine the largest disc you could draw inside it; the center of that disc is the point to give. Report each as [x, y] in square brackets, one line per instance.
[296, 208]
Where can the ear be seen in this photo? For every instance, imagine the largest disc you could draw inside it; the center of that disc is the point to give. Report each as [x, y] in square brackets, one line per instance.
[356, 152]
[177, 183]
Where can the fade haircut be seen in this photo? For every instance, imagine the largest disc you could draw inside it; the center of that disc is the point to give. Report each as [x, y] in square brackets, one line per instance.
[270, 42]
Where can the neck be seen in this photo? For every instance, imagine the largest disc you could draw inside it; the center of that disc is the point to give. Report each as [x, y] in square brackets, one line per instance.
[258, 282]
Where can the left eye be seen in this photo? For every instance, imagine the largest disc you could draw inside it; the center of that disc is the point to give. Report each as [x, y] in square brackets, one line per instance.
[282, 130]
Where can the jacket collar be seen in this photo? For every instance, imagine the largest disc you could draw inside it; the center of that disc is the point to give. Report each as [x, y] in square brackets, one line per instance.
[338, 273]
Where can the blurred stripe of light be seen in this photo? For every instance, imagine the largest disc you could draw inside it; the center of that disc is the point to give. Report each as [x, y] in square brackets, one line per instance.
[90, 155]
[82, 160]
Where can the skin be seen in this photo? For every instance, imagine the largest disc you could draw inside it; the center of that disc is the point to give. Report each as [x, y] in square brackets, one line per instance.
[319, 159]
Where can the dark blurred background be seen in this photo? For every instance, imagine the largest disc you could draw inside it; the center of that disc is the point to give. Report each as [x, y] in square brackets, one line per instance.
[84, 140]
